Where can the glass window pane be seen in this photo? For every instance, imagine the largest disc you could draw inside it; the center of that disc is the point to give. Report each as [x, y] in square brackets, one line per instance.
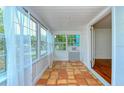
[29, 30]
[2, 45]
[60, 42]
[31, 24]
[43, 48]
[25, 21]
[43, 34]
[43, 41]
[34, 40]
[34, 26]
[73, 40]
[1, 21]
[34, 44]
[60, 46]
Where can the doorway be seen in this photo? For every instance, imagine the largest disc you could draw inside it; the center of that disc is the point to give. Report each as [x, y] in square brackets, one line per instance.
[101, 47]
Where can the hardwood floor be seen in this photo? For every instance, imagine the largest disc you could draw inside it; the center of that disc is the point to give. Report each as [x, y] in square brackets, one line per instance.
[103, 67]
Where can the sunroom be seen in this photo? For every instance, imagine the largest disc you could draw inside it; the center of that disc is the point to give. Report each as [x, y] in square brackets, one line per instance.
[60, 45]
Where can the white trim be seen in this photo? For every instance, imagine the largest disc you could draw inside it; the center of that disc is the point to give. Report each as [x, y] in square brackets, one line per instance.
[40, 58]
[40, 74]
[100, 16]
[100, 78]
[113, 46]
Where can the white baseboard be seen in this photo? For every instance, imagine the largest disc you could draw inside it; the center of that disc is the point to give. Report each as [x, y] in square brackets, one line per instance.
[60, 60]
[39, 76]
[100, 78]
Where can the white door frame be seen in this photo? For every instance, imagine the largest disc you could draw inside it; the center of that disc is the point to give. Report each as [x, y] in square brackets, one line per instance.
[92, 22]
[92, 47]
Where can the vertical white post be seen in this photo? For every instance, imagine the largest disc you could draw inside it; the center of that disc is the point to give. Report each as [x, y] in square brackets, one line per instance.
[117, 45]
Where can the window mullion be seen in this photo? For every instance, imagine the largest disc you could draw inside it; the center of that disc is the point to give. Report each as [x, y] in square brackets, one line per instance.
[38, 43]
[66, 42]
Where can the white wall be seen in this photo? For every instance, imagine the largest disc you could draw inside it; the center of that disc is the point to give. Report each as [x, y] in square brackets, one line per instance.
[38, 68]
[63, 55]
[118, 46]
[103, 43]
[85, 48]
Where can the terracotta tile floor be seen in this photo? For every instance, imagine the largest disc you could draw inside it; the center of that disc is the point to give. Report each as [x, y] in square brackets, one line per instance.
[68, 74]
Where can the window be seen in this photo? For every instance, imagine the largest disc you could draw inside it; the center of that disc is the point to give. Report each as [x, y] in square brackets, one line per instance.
[60, 42]
[73, 40]
[43, 41]
[38, 36]
[34, 40]
[50, 42]
[2, 45]
[33, 32]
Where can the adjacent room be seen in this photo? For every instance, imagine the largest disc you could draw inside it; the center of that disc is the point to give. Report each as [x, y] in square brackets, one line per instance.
[102, 47]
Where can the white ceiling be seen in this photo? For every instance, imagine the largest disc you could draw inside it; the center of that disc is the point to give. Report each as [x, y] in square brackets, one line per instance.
[67, 18]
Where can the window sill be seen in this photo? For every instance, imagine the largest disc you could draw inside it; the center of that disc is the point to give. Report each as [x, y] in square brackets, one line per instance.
[41, 57]
[60, 50]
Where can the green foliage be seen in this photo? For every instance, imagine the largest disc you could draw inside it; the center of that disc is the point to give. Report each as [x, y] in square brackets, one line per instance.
[73, 40]
[1, 44]
[1, 29]
[60, 38]
[33, 41]
[60, 46]
[60, 41]
[1, 21]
